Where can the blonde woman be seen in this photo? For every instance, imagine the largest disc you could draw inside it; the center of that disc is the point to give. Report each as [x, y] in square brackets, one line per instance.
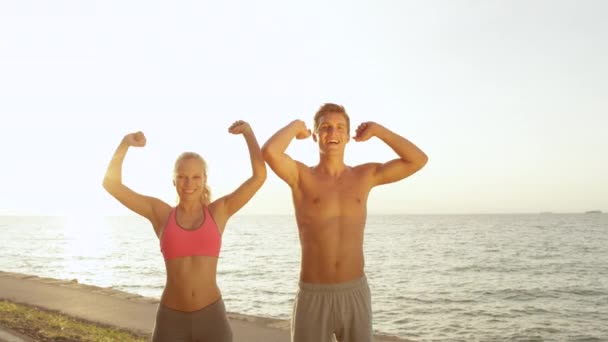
[190, 234]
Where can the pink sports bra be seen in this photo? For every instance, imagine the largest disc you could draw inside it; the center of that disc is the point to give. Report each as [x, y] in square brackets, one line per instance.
[177, 242]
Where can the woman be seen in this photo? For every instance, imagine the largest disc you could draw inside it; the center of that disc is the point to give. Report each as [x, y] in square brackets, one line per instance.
[191, 306]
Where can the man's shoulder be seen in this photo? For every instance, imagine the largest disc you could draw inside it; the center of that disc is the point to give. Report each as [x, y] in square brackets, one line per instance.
[304, 167]
[363, 168]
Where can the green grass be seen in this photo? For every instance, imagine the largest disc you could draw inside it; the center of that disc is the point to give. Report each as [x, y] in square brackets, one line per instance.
[43, 325]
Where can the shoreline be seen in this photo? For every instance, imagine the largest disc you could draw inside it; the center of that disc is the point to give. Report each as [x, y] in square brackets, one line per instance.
[125, 310]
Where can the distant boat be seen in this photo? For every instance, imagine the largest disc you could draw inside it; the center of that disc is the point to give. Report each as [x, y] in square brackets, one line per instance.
[593, 212]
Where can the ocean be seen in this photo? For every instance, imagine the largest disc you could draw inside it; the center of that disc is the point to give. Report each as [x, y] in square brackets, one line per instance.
[519, 277]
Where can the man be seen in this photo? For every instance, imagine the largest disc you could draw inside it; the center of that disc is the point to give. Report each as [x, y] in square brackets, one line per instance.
[330, 201]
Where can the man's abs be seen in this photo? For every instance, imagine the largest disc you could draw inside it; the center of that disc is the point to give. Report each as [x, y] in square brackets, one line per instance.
[331, 253]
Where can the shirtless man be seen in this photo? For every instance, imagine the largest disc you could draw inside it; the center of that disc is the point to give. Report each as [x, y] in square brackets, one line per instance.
[330, 201]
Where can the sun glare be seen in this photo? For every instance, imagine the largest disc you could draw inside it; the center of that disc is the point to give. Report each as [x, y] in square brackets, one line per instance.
[86, 248]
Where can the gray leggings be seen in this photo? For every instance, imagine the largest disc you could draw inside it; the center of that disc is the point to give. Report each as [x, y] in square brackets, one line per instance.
[209, 324]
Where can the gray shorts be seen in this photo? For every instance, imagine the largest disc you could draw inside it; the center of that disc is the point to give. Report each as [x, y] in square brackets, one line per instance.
[209, 324]
[321, 311]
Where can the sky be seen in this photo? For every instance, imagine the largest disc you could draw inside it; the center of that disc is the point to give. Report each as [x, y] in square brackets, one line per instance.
[509, 99]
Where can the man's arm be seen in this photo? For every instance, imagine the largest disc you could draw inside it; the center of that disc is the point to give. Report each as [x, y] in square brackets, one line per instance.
[274, 151]
[411, 158]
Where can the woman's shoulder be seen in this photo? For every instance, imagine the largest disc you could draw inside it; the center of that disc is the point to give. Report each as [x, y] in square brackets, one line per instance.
[217, 211]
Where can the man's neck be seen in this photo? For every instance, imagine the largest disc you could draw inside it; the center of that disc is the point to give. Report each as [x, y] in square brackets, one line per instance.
[331, 165]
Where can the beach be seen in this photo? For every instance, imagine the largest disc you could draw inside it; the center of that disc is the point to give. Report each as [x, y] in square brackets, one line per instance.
[124, 310]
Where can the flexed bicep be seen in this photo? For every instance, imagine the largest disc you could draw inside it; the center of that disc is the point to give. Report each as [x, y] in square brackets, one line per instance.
[393, 171]
[284, 167]
[274, 151]
[234, 201]
[145, 206]
[138, 203]
[411, 158]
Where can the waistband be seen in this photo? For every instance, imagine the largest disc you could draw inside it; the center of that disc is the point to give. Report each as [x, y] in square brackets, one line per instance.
[217, 305]
[349, 285]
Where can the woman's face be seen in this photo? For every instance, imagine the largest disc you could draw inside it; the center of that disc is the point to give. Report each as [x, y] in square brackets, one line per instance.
[190, 179]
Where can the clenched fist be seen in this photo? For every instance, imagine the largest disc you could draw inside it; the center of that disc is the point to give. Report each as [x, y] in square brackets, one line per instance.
[239, 127]
[365, 131]
[303, 131]
[137, 139]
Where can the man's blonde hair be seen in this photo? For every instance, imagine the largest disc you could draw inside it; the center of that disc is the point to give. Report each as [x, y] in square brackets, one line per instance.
[331, 108]
[193, 155]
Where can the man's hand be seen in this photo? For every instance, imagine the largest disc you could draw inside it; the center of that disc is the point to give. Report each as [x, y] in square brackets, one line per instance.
[366, 130]
[303, 131]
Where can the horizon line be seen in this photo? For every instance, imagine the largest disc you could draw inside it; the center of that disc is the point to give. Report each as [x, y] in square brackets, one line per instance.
[597, 211]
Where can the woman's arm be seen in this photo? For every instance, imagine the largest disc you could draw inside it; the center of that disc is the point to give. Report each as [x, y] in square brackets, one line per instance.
[231, 203]
[146, 206]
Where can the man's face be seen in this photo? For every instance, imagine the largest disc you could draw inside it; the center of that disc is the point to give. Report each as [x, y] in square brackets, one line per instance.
[332, 132]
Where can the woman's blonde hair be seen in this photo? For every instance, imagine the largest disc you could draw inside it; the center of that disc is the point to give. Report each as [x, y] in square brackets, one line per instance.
[193, 155]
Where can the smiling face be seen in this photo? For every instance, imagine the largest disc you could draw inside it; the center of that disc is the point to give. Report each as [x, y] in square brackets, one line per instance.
[190, 178]
[331, 132]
